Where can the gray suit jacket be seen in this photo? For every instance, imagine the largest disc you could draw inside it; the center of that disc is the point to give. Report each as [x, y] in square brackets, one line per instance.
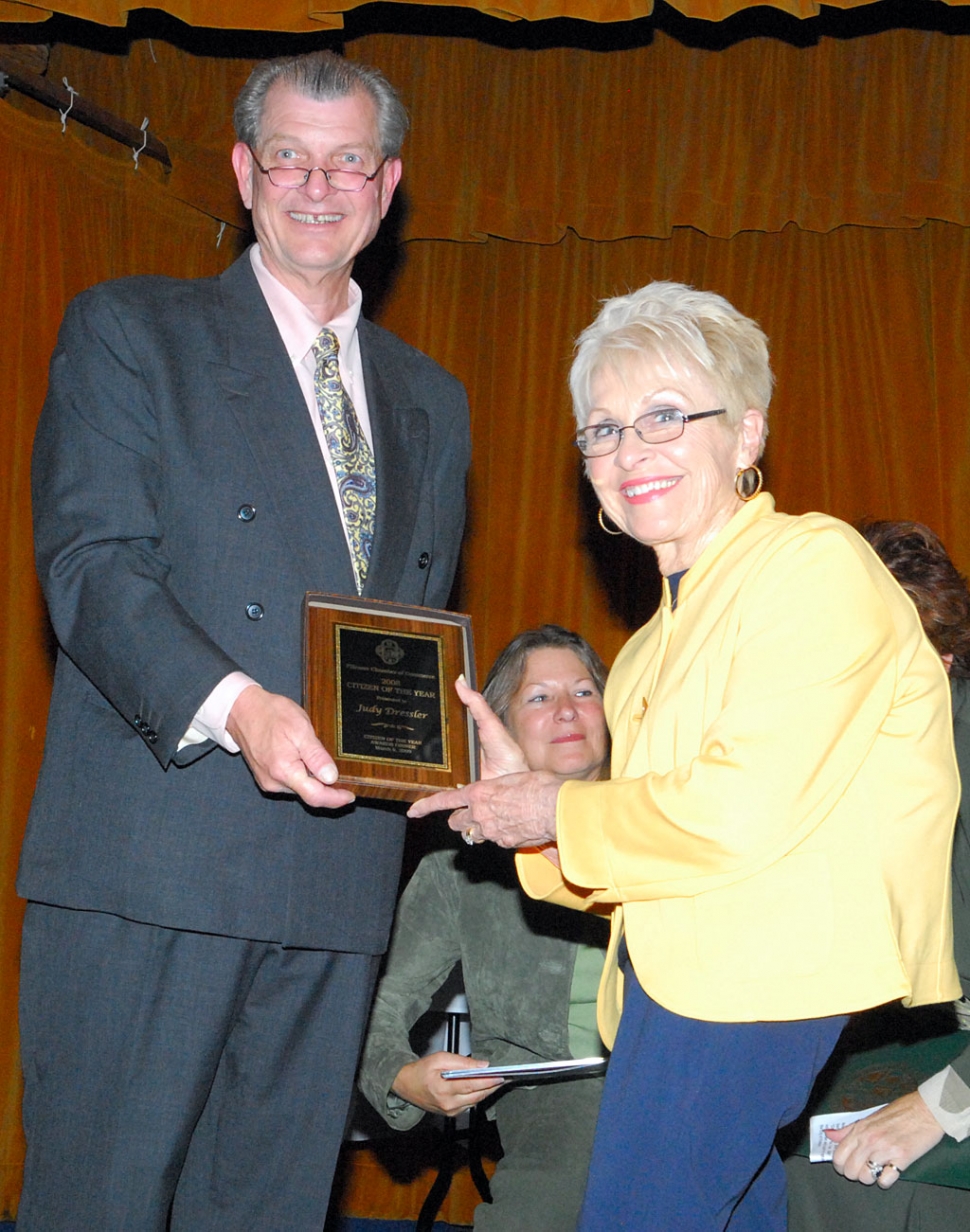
[172, 405]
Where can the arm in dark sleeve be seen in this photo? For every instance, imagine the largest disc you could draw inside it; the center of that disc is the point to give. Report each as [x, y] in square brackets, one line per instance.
[99, 529]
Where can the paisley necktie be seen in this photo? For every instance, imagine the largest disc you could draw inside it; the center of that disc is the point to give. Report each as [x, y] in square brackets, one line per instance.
[353, 461]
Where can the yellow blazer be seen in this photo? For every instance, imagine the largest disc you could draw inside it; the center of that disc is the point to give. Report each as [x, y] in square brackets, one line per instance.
[777, 830]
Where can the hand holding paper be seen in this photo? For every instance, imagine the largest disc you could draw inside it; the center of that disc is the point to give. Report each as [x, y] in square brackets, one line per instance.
[423, 1084]
[896, 1133]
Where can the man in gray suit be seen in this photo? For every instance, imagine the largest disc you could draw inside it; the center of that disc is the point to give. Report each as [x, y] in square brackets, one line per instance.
[207, 905]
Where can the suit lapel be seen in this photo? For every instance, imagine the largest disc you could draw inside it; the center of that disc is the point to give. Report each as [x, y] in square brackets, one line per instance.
[400, 434]
[263, 394]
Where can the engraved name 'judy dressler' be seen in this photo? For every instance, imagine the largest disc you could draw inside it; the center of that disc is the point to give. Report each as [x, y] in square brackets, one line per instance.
[392, 699]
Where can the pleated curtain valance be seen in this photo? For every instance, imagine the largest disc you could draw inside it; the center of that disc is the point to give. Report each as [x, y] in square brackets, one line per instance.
[301, 16]
[526, 144]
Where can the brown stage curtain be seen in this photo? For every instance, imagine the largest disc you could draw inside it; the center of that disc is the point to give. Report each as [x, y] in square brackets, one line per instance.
[300, 16]
[640, 141]
[524, 144]
[849, 242]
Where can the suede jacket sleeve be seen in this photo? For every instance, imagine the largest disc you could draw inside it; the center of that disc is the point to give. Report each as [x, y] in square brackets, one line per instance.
[425, 946]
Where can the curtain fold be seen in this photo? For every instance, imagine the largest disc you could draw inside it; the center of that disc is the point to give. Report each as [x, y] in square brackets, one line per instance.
[307, 15]
[640, 141]
[525, 145]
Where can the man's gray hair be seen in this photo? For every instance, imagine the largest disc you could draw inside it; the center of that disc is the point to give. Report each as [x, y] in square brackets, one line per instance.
[677, 325]
[324, 76]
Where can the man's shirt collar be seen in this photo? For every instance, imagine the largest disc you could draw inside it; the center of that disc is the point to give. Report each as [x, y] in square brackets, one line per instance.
[297, 325]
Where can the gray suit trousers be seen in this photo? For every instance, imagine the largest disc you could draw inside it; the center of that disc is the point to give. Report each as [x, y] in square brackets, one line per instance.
[149, 1043]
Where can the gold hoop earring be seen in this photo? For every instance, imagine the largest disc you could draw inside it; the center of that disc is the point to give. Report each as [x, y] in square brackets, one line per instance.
[743, 482]
[603, 526]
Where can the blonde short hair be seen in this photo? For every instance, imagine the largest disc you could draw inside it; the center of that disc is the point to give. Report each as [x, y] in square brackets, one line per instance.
[675, 324]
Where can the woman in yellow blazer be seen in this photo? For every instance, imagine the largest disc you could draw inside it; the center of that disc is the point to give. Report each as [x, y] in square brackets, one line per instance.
[776, 834]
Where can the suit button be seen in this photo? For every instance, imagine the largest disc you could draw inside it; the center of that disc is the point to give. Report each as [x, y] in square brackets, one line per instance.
[424, 560]
[254, 611]
[151, 737]
[246, 513]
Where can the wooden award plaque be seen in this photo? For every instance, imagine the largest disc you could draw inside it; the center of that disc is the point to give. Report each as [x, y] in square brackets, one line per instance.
[378, 684]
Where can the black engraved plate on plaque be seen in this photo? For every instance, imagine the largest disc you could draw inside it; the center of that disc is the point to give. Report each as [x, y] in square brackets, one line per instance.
[379, 687]
[391, 694]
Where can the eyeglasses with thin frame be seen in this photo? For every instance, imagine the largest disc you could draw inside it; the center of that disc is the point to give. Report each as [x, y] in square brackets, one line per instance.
[654, 428]
[337, 177]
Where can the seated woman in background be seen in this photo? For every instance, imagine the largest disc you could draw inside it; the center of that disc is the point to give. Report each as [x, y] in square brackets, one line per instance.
[877, 1149]
[530, 970]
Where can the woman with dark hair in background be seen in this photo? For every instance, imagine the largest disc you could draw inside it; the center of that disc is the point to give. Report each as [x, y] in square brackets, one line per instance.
[909, 1127]
[530, 970]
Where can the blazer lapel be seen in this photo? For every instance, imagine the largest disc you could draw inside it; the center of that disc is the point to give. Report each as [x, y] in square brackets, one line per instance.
[401, 448]
[263, 394]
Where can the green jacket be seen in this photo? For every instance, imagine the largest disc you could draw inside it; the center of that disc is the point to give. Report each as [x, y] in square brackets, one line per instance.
[517, 958]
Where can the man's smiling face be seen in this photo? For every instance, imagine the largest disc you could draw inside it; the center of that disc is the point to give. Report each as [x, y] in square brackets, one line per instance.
[311, 235]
